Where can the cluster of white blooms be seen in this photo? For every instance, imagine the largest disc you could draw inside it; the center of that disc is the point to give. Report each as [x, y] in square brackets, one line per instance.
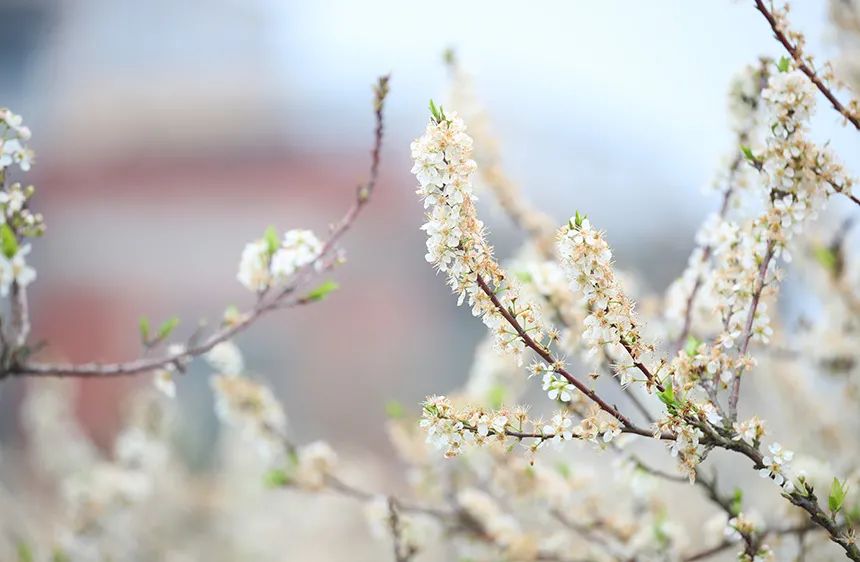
[97, 493]
[453, 429]
[777, 466]
[791, 101]
[556, 386]
[16, 220]
[799, 177]
[686, 447]
[251, 407]
[15, 213]
[743, 103]
[268, 261]
[13, 135]
[450, 429]
[13, 269]
[456, 243]
[690, 299]
[715, 238]
[226, 358]
[313, 463]
[750, 431]
[598, 427]
[701, 363]
[587, 261]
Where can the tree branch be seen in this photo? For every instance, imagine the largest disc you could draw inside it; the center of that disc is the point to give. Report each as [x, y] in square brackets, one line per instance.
[794, 50]
[264, 305]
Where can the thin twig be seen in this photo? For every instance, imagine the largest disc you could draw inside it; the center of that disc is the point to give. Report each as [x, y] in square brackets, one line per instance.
[748, 329]
[264, 305]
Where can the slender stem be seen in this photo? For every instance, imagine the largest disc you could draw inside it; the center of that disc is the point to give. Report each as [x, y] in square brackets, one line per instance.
[264, 305]
[748, 329]
[707, 250]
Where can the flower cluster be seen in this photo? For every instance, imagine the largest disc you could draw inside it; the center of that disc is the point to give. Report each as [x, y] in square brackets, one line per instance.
[456, 243]
[16, 220]
[251, 407]
[453, 429]
[611, 323]
[13, 135]
[744, 91]
[268, 261]
[312, 464]
[749, 431]
[777, 466]
[798, 177]
[690, 299]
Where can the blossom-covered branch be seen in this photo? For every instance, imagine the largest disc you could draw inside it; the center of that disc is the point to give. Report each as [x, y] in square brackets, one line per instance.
[793, 42]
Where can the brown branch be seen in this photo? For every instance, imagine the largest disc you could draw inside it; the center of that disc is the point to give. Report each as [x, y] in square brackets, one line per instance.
[806, 501]
[780, 34]
[803, 498]
[552, 361]
[264, 305]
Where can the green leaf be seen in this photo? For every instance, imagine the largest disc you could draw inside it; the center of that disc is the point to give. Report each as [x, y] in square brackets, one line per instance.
[273, 242]
[826, 257]
[436, 112]
[578, 218]
[394, 410]
[8, 242]
[524, 276]
[668, 398]
[853, 514]
[231, 314]
[322, 291]
[748, 153]
[496, 396]
[736, 503]
[143, 327]
[692, 345]
[837, 496]
[563, 469]
[783, 64]
[25, 553]
[277, 478]
[167, 327]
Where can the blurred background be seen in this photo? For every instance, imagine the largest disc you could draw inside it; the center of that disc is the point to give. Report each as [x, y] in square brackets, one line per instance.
[170, 133]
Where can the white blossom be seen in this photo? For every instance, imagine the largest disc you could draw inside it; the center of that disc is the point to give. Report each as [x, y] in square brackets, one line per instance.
[15, 270]
[299, 248]
[225, 358]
